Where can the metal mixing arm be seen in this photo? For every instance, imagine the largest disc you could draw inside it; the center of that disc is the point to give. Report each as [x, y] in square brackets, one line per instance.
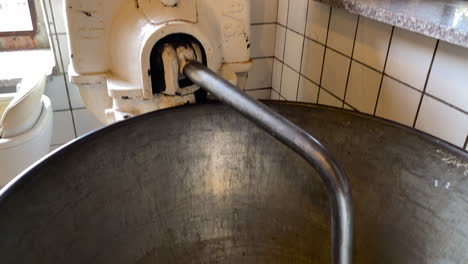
[298, 140]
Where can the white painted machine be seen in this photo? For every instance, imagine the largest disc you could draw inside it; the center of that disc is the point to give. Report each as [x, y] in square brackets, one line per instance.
[125, 53]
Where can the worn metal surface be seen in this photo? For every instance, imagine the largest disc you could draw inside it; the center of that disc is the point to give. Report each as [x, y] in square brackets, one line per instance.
[301, 142]
[200, 184]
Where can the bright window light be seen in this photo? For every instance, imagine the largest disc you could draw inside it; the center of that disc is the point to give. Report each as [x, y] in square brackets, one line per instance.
[15, 16]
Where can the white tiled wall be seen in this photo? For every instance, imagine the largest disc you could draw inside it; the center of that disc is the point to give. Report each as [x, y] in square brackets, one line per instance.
[329, 56]
[263, 35]
[71, 119]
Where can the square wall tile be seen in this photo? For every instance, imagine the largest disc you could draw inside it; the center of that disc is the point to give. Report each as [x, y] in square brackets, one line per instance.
[342, 30]
[58, 58]
[56, 90]
[449, 76]
[289, 84]
[262, 94]
[63, 130]
[372, 42]
[75, 97]
[263, 40]
[280, 42]
[335, 73]
[410, 57]
[264, 11]
[283, 12]
[308, 91]
[312, 60]
[317, 21]
[276, 76]
[293, 50]
[48, 12]
[442, 121]
[325, 98]
[297, 15]
[58, 12]
[260, 74]
[363, 88]
[61, 52]
[398, 102]
[65, 51]
[85, 122]
[274, 95]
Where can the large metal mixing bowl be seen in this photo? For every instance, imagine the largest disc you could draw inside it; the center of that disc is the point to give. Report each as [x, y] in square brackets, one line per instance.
[201, 184]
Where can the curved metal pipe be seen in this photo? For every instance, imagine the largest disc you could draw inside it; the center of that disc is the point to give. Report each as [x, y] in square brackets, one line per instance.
[298, 140]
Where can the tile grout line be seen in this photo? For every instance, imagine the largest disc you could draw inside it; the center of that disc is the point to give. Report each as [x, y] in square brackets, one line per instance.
[262, 57]
[401, 82]
[351, 61]
[383, 71]
[276, 31]
[302, 53]
[63, 67]
[75, 109]
[274, 48]
[324, 52]
[276, 15]
[446, 103]
[302, 75]
[426, 83]
[411, 87]
[428, 95]
[312, 81]
[272, 67]
[281, 65]
[344, 55]
[262, 23]
[44, 3]
[336, 97]
[250, 90]
[284, 48]
[352, 107]
[318, 85]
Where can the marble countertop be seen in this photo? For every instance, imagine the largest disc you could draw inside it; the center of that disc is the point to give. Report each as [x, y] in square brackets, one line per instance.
[442, 19]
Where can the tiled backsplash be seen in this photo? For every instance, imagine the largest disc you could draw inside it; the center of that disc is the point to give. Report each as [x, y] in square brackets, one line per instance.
[329, 56]
[71, 119]
[309, 52]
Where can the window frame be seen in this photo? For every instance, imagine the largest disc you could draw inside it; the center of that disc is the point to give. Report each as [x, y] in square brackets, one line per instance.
[29, 33]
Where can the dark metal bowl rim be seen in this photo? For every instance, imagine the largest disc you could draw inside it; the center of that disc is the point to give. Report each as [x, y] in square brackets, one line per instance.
[22, 178]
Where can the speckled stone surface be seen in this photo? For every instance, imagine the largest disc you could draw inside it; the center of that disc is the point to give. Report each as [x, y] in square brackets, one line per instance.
[442, 19]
